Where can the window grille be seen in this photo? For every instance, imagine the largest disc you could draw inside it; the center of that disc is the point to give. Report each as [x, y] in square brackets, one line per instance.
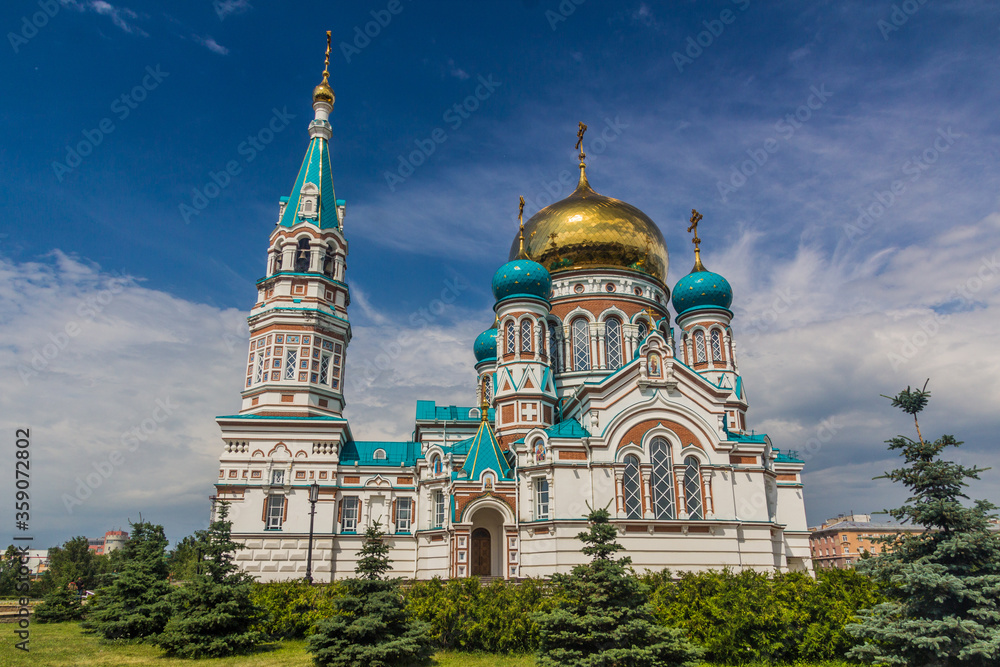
[716, 345]
[630, 483]
[581, 345]
[662, 479]
[541, 498]
[526, 336]
[511, 340]
[692, 487]
[643, 330]
[277, 477]
[554, 351]
[488, 389]
[324, 369]
[613, 344]
[699, 345]
[290, 356]
[349, 515]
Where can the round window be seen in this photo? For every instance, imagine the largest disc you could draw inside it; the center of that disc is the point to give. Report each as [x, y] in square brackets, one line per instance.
[578, 288]
[610, 287]
[637, 291]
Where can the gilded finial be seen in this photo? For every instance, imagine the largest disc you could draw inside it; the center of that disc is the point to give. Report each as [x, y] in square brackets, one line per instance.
[579, 141]
[520, 234]
[695, 219]
[323, 92]
[485, 409]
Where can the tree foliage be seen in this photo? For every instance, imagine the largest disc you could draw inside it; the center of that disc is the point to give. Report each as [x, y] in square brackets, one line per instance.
[943, 584]
[602, 616]
[371, 627]
[466, 615]
[135, 605]
[213, 613]
[748, 616]
[75, 562]
[60, 604]
[292, 609]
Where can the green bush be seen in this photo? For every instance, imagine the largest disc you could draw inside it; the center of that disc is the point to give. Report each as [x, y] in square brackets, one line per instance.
[465, 615]
[753, 617]
[291, 609]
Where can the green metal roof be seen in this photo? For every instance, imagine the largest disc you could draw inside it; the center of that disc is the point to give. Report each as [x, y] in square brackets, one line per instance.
[485, 454]
[396, 453]
[565, 429]
[430, 411]
[786, 457]
[316, 170]
[460, 448]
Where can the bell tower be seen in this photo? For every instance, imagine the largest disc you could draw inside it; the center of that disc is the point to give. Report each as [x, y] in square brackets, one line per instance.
[299, 330]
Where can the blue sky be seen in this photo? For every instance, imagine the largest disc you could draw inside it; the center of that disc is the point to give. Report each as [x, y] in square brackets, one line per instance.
[844, 156]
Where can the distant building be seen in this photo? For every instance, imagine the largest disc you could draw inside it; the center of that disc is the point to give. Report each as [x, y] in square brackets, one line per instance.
[841, 541]
[38, 561]
[113, 539]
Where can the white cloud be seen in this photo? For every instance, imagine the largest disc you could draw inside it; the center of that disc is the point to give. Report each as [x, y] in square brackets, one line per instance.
[226, 8]
[123, 17]
[211, 44]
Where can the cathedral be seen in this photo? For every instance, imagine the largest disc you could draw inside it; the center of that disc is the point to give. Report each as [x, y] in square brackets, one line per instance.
[596, 386]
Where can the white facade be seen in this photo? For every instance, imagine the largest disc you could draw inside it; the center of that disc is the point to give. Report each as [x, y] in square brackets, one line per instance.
[595, 401]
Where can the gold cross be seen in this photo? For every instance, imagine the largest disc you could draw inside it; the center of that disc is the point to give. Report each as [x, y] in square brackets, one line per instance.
[326, 65]
[695, 219]
[579, 140]
[520, 224]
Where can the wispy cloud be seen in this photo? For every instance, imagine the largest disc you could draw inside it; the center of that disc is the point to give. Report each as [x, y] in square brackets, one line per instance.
[226, 8]
[123, 17]
[210, 44]
[456, 71]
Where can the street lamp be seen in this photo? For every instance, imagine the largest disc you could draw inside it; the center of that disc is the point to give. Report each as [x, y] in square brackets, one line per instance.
[313, 497]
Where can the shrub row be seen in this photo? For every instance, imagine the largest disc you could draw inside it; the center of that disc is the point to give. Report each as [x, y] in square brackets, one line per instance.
[737, 617]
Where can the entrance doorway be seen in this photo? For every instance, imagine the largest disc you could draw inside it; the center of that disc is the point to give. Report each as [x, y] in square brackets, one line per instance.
[482, 549]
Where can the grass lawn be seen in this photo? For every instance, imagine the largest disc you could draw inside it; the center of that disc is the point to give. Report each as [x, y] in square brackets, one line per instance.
[66, 645]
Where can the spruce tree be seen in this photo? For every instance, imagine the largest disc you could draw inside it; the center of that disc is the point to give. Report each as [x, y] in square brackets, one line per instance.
[60, 604]
[136, 604]
[942, 584]
[213, 613]
[603, 617]
[371, 627]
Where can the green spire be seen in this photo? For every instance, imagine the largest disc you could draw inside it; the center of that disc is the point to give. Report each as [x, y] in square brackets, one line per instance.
[485, 454]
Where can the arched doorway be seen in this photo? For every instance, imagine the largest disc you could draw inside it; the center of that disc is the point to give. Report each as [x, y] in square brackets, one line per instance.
[482, 551]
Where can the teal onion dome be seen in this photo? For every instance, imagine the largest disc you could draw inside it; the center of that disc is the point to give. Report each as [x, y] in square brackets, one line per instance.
[485, 347]
[522, 277]
[702, 289]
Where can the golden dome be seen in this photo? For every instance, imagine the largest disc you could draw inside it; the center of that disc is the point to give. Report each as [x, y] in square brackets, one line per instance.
[323, 92]
[588, 230]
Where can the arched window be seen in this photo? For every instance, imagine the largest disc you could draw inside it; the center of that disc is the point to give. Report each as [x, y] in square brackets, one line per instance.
[511, 338]
[613, 343]
[630, 487]
[581, 345]
[541, 338]
[643, 329]
[526, 336]
[662, 479]
[302, 256]
[692, 488]
[716, 345]
[699, 346]
[554, 351]
[488, 389]
[379, 455]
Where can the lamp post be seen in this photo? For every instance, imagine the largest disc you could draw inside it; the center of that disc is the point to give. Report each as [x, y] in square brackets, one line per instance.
[313, 497]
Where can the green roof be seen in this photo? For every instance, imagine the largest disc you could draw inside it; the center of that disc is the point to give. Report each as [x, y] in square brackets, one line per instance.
[430, 411]
[786, 457]
[485, 454]
[396, 453]
[565, 429]
[315, 169]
